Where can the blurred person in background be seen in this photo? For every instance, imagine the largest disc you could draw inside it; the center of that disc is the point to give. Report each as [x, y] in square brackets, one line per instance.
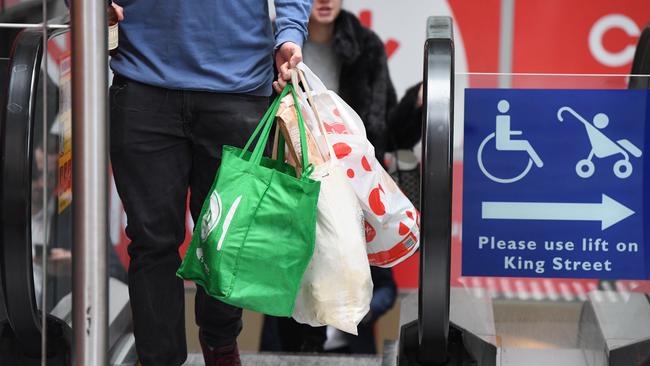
[351, 60]
[404, 142]
[405, 120]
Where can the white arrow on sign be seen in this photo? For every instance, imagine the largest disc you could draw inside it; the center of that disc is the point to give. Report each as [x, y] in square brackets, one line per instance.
[608, 212]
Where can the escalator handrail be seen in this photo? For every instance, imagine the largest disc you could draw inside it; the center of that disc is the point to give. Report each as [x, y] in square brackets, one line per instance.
[641, 62]
[16, 137]
[22, 10]
[436, 190]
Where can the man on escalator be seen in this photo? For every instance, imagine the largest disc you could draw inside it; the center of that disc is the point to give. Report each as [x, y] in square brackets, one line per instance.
[190, 77]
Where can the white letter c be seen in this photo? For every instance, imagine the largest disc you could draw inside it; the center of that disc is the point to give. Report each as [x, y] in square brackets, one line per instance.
[601, 27]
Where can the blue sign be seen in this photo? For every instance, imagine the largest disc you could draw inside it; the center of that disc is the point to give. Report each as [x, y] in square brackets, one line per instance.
[554, 183]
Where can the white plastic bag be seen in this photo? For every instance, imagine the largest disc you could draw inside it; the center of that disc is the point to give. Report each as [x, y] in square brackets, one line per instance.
[336, 288]
[392, 223]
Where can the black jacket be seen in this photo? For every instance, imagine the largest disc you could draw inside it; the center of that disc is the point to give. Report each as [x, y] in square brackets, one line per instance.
[365, 82]
[405, 121]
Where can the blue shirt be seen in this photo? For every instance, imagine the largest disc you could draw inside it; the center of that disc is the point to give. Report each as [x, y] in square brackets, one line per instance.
[211, 45]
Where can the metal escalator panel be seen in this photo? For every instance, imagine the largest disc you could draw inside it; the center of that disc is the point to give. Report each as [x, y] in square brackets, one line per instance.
[426, 333]
[437, 158]
[35, 231]
[4, 64]
[15, 194]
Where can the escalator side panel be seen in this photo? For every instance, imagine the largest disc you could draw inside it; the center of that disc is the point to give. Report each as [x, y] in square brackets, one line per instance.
[15, 192]
[436, 189]
[641, 62]
[4, 63]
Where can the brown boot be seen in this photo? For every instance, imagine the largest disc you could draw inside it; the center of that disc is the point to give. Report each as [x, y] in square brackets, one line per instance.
[221, 356]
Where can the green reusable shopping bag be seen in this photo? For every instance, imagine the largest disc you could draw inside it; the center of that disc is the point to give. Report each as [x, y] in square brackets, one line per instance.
[256, 231]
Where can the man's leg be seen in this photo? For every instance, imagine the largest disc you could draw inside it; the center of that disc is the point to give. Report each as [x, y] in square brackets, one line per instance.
[290, 333]
[218, 119]
[297, 337]
[151, 159]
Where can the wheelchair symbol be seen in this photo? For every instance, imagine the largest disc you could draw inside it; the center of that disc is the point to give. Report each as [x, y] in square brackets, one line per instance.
[503, 142]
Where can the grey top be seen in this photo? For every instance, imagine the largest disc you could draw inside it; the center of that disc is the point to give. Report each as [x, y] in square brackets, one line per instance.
[322, 60]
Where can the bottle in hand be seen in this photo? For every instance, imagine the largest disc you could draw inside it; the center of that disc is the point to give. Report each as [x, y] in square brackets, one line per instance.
[112, 29]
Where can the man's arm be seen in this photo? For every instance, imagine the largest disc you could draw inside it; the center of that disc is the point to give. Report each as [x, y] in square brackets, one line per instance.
[291, 30]
[291, 21]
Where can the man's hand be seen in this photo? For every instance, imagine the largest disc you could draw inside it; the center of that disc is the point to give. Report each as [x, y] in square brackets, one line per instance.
[119, 11]
[286, 57]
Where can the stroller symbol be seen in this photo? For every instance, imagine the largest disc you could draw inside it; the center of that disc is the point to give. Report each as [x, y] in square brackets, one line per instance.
[602, 146]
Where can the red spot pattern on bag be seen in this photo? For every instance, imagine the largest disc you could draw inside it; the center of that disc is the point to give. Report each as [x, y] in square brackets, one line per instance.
[409, 214]
[350, 173]
[366, 165]
[341, 149]
[336, 128]
[370, 232]
[374, 200]
[403, 229]
[336, 112]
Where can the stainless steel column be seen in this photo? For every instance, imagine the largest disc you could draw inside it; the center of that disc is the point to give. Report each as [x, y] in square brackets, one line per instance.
[506, 42]
[90, 182]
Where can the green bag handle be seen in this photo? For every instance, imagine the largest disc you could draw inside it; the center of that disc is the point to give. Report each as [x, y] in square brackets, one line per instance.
[307, 167]
[265, 126]
[259, 150]
[272, 110]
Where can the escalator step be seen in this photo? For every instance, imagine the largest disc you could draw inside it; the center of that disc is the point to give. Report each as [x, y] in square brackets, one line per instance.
[276, 359]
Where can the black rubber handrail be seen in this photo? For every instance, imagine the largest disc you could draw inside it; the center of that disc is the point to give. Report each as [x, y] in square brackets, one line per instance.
[16, 159]
[641, 62]
[641, 66]
[23, 10]
[436, 191]
[16, 137]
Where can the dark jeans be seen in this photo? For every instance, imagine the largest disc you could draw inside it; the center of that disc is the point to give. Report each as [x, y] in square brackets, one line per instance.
[162, 143]
[296, 337]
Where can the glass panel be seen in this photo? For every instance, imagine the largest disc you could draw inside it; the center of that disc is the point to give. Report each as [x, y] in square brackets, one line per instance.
[59, 208]
[551, 167]
[57, 162]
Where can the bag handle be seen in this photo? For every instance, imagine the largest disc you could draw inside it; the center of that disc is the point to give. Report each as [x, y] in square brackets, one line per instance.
[274, 151]
[271, 111]
[278, 145]
[316, 83]
[295, 75]
[265, 127]
[307, 167]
